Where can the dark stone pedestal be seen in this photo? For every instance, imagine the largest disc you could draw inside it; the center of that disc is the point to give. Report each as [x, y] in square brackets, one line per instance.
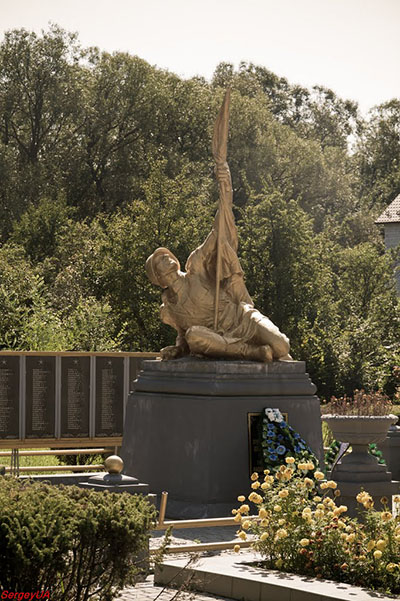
[116, 483]
[186, 427]
[390, 448]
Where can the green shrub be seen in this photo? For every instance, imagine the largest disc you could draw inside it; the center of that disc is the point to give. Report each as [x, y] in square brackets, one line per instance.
[71, 542]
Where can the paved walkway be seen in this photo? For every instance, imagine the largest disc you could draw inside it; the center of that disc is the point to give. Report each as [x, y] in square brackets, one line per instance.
[147, 591]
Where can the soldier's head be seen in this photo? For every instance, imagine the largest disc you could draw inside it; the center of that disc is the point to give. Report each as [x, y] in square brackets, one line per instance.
[162, 267]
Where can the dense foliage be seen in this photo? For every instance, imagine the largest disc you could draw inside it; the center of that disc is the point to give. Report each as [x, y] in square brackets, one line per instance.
[70, 542]
[104, 157]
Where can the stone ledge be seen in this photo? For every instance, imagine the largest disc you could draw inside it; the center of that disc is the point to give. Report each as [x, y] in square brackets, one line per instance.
[234, 577]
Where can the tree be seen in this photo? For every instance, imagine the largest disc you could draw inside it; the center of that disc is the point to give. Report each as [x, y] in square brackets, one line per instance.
[39, 96]
[378, 156]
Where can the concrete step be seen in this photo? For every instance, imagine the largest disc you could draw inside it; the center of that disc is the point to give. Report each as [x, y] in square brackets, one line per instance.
[235, 577]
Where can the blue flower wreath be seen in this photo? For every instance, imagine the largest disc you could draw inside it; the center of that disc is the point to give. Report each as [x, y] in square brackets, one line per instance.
[279, 440]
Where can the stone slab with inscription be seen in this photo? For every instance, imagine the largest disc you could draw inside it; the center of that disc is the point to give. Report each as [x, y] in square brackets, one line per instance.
[109, 396]
[40, 397]
[9, 397]
[186, 427]
[75, 391]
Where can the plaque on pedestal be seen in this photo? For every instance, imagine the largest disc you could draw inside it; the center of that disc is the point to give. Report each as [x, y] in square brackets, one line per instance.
[40, 397]
[75, 387]
[109, 396]
[9, 397]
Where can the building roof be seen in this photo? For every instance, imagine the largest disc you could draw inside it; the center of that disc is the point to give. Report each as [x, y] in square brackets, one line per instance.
[392, 213]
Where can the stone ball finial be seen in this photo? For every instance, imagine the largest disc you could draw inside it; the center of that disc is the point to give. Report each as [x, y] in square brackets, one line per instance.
[114, 464]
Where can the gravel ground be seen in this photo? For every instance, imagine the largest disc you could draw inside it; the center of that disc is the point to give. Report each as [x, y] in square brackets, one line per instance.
[147, 591]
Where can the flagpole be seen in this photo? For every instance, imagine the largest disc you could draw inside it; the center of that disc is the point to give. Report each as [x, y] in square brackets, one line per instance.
[219, 149]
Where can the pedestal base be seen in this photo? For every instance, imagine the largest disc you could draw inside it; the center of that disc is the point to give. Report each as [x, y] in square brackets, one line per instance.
[116, 483]
[186, 427]
[390, 448]
[377, 490]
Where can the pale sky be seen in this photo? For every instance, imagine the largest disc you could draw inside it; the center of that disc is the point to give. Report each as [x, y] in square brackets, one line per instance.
[350, 46]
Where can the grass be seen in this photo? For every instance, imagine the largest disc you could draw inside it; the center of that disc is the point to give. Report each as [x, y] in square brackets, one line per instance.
[44, 460]
[29, 460]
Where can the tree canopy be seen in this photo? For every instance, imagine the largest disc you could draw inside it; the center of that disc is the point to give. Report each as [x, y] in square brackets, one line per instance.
[104, 157]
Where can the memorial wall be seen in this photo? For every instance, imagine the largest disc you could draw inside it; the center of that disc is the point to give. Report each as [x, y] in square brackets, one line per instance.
[65, 397]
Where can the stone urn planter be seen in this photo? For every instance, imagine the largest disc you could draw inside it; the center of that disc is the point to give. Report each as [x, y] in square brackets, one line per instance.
[360, 431]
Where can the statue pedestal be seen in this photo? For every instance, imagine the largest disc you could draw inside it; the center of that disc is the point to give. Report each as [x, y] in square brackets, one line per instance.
[186, 427]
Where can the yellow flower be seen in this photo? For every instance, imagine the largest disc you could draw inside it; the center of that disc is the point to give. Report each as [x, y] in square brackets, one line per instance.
[264, 523]
[397, 538]
[244, 509]
[331, 484]
[337, 493]
[302, 466]
[265, 485]
[242, 535]
[266, 472]
[255, 485]
[323, 485]
[377, 554]
[234, 511]
[361, 496]
[255, 498]
[370, 545]
[290, 460]
[262, 513]
[236, 548]
[241, 498]
[237, 518]
[279, 563]
[288, 473]
[246, 525]
[317, 499]
[269, 479]
[396, 499]
[351, 538]
[341, 524]
[277, 508]
[283, 493]
[319, 513]
[281, 533]
[264, 536]
[381, 544]
[391, 566]
[319, 475]
[386, 516]
[308, 482]
[320, 506]
[368, 502]
[304, 542]
[281, 522]
[254, 476]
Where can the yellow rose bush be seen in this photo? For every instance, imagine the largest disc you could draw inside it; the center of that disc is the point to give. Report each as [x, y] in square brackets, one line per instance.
[300, 526]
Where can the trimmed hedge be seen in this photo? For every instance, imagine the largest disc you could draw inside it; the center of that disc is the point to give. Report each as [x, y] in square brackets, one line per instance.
[71, 542]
